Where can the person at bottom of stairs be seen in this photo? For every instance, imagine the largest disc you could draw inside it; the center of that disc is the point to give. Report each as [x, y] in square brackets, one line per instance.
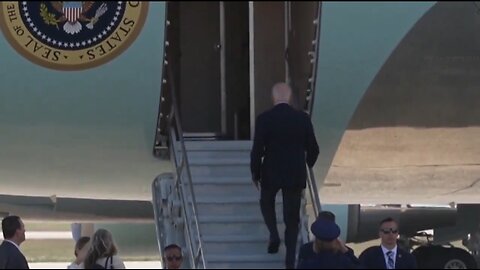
[307, 250]
[327, 248]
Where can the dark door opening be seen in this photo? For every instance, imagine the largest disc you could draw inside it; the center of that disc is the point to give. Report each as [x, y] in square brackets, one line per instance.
[227, 56]
[210, 41]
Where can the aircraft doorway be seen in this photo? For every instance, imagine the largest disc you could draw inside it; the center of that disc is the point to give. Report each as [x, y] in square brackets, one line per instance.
[227, 56]
[195, 37]
[210, 60]
[281, 35]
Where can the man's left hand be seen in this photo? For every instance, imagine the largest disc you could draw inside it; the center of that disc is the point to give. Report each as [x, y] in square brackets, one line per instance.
[342, 246]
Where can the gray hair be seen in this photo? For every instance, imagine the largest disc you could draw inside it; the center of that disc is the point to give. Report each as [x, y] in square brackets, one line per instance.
[281, 93]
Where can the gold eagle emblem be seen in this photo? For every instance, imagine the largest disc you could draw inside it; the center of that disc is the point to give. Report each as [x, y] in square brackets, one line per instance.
[73, 14]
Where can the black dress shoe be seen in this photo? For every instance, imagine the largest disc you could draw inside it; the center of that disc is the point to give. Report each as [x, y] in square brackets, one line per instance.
[273, 246]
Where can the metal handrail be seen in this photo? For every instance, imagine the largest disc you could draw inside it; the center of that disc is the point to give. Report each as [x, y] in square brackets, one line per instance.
[309, 105]
[176, 134]
[312, 187]
[156, 196]
[312, 183]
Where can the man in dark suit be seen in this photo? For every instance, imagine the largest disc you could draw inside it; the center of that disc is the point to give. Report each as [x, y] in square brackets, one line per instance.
[14, 234]
[285, 139]
[307, 252]
[388, 255]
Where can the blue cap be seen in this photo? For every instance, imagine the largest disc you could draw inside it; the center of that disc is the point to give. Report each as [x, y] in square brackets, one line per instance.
[325, 230]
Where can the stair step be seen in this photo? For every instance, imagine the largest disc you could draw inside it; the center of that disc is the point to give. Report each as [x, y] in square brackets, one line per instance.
[218, 154]
[222, 206]
[222, 228]
[250, 198]
[223, 190]
[228, 248]
[214, 198]
[235, 248]
[253, 258]
[224, 186]
[219, 161]
[237, 208]
[232, 219]
[218, 145]
[239, 238]
[242, 238]
[238, 245]
[224, 170]
[222, 180]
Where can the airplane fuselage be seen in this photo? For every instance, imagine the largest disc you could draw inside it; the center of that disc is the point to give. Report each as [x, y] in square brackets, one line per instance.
[396, 114]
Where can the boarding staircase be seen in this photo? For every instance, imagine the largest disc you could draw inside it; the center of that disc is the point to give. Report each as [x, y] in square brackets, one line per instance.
[232, 231]
[208, 205]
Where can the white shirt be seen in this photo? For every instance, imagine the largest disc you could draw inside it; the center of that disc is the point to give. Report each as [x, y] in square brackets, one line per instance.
[75, 266]
[385, 256]
[15, 244]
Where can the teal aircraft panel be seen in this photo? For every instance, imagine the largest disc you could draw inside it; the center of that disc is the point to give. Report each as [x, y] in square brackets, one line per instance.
[100, 119]
[355, 41]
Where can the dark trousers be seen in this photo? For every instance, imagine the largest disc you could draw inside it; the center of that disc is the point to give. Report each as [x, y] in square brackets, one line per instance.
[291, 216]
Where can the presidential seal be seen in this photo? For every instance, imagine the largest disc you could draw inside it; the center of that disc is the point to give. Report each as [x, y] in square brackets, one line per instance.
[71, 35]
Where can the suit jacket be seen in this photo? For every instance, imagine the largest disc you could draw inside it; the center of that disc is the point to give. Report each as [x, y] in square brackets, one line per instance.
[285, 139]
[11, 257]
[373, 258]
[306, 253]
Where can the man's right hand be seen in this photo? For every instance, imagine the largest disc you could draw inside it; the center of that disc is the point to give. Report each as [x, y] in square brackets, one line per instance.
[257, 184]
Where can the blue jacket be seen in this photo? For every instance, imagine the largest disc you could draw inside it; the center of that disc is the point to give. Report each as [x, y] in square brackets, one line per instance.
[327, 260]
[306, 252]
